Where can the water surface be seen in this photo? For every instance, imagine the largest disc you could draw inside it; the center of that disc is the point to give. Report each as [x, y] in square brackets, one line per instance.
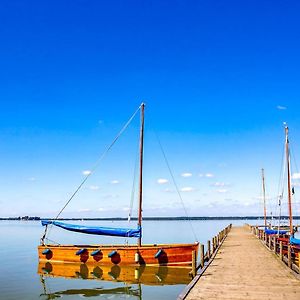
[19, 278]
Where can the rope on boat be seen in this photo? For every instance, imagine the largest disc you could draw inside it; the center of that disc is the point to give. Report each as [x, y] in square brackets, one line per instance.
[133, 185]
[95, 166]
[281, 186]
[176, 186]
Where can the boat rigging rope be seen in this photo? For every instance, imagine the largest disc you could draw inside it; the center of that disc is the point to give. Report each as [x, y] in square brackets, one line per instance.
[281, 186]
[95, 166]
[133, 187]
[176, 186]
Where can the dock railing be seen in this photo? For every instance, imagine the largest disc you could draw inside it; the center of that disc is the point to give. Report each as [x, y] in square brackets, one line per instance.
[208, 253]
[279, 245]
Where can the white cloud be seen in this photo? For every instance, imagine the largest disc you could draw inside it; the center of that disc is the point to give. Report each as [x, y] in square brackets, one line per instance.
[209, 175]
[187, 174]
[125, 208]
[222, 190]
[115, 181]
[167, 190]
[86, 172]
[32, 179]
[220, 184]
[94, 187]
[280, 107]
[296, 176]
[162, 181]
[108, 196]
[187, 189]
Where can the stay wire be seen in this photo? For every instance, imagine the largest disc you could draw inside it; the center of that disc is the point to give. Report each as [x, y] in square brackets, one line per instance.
[176, 186]
[97, 163]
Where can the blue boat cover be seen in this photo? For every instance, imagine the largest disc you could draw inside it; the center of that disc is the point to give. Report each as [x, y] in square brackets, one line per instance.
[294, 241]
[126, 232]
[275, 231]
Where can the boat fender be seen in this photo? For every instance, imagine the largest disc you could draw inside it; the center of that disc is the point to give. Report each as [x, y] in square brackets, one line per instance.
[136, 257]
[96, 252]
[112, 253]
[81, 251]
[46, 251]
[158, 253]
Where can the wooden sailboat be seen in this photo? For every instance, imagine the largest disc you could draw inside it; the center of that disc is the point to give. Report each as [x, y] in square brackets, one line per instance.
[140, 254]
[289, 237]
[267, 228]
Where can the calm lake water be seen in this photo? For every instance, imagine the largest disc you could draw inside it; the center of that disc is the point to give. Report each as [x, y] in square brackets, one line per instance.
[19, 278]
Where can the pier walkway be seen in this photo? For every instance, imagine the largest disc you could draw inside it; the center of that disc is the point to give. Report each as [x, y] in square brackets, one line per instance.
[245, 269]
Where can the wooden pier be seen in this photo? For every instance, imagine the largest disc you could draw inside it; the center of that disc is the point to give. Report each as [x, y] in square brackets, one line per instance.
[243, 268]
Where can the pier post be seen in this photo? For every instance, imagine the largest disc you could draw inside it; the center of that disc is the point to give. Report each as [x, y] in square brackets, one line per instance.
[289, 257]
[280, 250]
[269, 242]
[202, 255]
[274, 244]
[194, 263]
[208, 249]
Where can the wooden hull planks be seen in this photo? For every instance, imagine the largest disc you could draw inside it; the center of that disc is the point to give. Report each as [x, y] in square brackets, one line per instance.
[164, 254]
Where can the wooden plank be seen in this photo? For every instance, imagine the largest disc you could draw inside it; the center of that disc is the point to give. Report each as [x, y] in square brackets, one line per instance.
[244, 269]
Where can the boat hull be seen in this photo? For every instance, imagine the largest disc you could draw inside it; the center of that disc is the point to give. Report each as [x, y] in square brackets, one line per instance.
[148, 275]
[164, 254]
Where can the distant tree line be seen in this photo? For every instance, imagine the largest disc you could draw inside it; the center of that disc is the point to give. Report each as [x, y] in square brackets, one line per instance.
[31, 218]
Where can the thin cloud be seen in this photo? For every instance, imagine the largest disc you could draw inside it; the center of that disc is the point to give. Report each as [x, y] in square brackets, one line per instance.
[209, 175]
[222, 191]
[32, 179]
[94, 187]
[187, 189]
[162, 181]
[186, 175]
[109, 196]
[296, 176]
[220, 184]
[115, 182]
[86, 172]
[280, 107]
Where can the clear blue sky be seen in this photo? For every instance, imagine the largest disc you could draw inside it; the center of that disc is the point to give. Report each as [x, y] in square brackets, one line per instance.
[219, 78]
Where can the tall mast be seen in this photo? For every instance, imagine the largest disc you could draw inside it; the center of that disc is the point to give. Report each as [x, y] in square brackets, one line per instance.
[264, 195]
[141, 171]
[287, 151]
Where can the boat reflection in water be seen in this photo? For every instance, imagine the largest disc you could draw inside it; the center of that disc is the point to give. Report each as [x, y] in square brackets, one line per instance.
[133, 277]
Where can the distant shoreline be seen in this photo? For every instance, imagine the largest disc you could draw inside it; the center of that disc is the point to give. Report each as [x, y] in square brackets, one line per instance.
[28, 218]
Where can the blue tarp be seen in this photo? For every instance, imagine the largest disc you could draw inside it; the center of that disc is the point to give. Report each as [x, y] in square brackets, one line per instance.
[275, 231]
[294, 241]
[126, 232]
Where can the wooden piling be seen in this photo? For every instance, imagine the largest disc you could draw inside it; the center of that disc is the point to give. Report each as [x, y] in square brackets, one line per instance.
[280, 250]
[194, 263]
[202, 255]
[274, 244]
[289, 257]
[208, 250]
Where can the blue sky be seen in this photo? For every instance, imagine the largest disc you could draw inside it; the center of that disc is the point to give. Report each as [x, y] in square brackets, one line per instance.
[218, 77]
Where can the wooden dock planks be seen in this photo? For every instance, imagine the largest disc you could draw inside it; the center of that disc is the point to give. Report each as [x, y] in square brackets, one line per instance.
[245, 269]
